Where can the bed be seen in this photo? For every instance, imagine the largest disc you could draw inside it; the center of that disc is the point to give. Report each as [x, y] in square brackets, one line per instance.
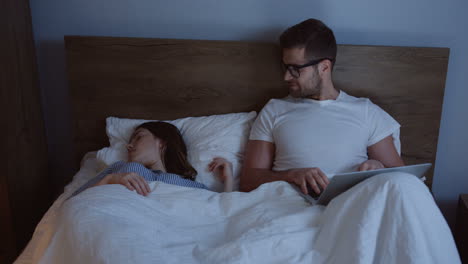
[117, 82]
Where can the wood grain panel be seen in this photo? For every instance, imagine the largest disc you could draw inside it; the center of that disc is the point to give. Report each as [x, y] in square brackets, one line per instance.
[164, 79]
[168, 79]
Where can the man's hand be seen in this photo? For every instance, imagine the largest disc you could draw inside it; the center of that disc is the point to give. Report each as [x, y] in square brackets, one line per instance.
[313, 177]
[131, 180]
[371, 165]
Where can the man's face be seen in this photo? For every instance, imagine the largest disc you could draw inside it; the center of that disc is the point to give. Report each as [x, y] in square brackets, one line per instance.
[309, 83]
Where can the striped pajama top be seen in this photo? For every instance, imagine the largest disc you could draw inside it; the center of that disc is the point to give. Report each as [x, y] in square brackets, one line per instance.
[147, 174]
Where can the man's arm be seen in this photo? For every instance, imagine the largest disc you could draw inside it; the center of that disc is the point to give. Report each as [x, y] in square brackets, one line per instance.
[384, 152]
[257, 167]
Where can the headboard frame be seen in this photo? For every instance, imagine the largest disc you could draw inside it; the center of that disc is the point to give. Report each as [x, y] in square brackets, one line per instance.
[168, 79]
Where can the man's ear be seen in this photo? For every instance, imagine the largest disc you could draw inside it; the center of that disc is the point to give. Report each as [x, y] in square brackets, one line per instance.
[325, 66]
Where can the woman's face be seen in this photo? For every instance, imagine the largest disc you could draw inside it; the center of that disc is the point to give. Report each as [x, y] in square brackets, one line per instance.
[144, 148]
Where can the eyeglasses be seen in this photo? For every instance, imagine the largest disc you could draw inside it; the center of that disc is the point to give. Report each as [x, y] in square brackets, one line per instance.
[295, 70]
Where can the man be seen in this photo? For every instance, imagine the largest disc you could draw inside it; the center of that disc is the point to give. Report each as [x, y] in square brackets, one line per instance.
[317, 129]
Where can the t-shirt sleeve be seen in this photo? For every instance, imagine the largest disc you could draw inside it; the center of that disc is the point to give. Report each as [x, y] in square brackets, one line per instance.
[381, 125]
[262, 128]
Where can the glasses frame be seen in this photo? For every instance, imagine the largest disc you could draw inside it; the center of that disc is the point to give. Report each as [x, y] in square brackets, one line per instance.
[294, 69]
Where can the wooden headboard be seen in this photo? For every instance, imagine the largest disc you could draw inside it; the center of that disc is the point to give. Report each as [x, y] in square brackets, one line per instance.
[168, 79]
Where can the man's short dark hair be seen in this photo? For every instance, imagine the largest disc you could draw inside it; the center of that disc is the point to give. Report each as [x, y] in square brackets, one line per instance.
[313, 35]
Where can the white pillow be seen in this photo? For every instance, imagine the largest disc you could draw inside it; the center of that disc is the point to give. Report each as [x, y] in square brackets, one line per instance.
[206, 137]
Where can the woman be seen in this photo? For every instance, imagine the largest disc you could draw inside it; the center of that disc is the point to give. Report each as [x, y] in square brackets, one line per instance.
[157, 152]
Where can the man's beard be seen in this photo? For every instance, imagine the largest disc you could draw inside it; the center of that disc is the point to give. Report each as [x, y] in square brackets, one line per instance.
[312, 92]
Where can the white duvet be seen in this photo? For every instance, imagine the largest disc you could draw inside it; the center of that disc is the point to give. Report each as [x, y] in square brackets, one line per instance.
[386, 219]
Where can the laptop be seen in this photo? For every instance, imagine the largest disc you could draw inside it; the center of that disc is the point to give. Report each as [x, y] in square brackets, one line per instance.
[341, 182]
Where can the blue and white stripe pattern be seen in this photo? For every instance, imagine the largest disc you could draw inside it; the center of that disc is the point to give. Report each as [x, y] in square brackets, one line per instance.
[147, 174]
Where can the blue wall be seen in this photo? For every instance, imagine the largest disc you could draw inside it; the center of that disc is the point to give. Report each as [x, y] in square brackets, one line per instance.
[428, 23]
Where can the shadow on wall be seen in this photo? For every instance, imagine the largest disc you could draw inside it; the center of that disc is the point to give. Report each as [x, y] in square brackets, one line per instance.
[269, 35]
[57, 113]
[448, 209]
[388, 38]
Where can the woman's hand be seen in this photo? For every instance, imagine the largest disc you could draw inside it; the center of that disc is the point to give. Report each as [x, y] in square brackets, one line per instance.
[371, 165]
[131, 180]
[223, 169]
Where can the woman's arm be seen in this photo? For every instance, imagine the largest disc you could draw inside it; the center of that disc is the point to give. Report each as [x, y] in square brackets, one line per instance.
[131, 180]
[223, 169]
[105, 180]
[94, 181]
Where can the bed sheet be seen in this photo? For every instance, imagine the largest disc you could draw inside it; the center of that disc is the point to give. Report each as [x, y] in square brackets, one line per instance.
[43, 232]
[391, 218]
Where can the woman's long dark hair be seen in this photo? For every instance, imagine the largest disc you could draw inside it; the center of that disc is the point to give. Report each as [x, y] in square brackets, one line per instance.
[175, 152]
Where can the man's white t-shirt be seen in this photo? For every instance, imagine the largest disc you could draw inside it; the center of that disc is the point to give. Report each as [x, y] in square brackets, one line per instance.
[332, 135]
